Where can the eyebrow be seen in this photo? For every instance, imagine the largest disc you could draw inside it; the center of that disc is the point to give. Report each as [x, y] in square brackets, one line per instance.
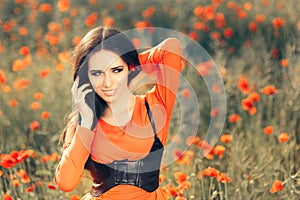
[99, 70]
[120, 66]
[96, 70]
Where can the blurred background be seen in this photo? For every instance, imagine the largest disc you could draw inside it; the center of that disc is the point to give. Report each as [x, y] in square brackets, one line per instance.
[255, 46]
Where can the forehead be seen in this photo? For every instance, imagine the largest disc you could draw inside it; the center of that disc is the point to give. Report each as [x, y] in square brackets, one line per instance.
[104, 59]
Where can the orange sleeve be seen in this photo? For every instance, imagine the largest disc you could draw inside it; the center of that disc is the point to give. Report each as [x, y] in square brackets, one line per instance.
[168, 56]
[71, 166]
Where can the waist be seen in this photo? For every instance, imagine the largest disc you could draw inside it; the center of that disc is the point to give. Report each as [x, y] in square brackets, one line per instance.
[122, 192]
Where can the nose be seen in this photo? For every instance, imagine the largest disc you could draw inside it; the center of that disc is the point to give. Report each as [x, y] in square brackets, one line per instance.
[105, 79]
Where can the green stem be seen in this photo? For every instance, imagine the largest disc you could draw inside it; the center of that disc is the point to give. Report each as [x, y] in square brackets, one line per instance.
[202, 186]
[210, 185]
[226, 191]
[220, 191]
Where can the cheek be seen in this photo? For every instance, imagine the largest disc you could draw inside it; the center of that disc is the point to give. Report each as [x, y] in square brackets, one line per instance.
[122, 79]
[94, 82]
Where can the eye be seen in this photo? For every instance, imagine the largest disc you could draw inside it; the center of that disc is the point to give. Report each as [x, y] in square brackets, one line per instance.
[96, 72]
[117, 69]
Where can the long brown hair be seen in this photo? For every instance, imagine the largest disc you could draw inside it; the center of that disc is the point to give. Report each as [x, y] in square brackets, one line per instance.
[95, 40]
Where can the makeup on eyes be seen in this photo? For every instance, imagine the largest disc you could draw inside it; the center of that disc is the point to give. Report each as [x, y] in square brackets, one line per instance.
[113, 69]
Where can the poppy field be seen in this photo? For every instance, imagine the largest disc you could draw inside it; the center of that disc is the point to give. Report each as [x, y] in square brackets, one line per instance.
[255, 45]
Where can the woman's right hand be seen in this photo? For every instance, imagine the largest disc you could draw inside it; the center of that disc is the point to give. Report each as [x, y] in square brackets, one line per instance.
[79, 96]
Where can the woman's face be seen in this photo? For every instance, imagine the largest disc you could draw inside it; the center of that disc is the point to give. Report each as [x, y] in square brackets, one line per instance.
[108, 74]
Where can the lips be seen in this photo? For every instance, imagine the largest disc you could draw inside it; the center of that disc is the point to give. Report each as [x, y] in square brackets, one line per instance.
[108, 92]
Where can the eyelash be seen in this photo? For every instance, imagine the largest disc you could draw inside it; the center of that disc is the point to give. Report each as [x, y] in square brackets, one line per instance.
[117, 70]
[97, 73]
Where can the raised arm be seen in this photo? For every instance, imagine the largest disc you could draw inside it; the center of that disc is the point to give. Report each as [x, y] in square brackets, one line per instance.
[168, 57]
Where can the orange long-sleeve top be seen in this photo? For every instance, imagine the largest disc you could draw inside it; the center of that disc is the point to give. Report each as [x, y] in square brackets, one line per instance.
[133, 140]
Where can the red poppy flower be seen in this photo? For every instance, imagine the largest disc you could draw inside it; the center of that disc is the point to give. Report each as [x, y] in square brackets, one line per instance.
[7, 161]
[284, 62]
[67, 23]
[228, 33]
[254, 96]
[38, 96]
[211, 172]
[209, 12]
[198, 10]
[193, 35]
[223, 178]
[241, 14]
[214, 112]
[248, 6]
[13, 103]
[23, 31]
[277, 186]
[76, 40]
[231, 5]
[16, 183]
[75, 197]
[233, 118]
[172, 190]
[45, 7]
[7, 197]
[34, 125]
[243, 85]
[183, 186]
[119, 6]
[252, 26]
[162, 177]
[220, 21]
[148, 12]
[215, 35]
[21, 83]
[45, 72]
[278, 22]
[204, 68]
[192, 140]
[2, 77]
[180, 176]
[45, 115]
[260, 18]
[283, 137]
[24, 50]
[268, 130]
[108, 21]
[219, 150]
[35, 105]
[91, 19]
[18, 65]
[247, 104]
[8, 26]
[199, 26]
[31, 188]
[186, 93]
[268, 90]
[63, 5]
[226, 138]
[51, 186]
[275, 53]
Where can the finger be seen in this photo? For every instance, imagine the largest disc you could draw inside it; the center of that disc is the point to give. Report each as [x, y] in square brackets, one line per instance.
[84, 93]
[75, 85]
[83, 89]
[84, 86]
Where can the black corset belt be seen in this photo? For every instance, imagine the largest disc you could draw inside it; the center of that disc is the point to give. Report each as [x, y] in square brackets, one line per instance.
[143, 173]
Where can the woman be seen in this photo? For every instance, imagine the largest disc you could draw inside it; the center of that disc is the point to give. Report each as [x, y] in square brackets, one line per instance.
[116, 135]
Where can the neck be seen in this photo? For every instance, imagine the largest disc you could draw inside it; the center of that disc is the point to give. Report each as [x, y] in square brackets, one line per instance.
[119, 112]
